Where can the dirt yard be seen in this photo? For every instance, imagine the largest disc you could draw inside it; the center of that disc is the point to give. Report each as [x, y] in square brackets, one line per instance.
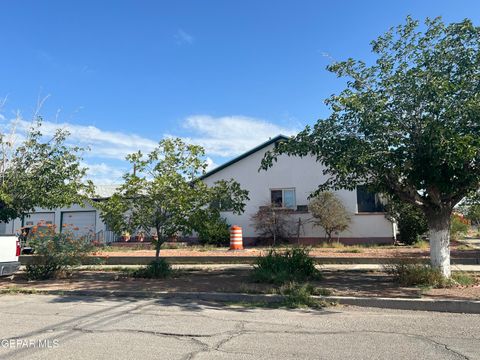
[342, 283]
[457, 251]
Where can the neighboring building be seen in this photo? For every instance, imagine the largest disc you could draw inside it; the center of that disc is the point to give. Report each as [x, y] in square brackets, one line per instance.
[80, 220]
[289, 182]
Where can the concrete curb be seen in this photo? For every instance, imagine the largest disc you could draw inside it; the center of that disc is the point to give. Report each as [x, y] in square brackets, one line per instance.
[144, 260]
[423, 304]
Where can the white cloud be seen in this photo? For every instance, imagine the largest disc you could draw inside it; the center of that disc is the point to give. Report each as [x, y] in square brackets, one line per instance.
[228, 136]
[105, 144]
[102, 173]
[222, 137]
[182, 37]
[210, 164]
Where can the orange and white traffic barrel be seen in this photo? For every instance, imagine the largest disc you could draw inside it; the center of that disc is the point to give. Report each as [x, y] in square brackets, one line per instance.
[236, 238]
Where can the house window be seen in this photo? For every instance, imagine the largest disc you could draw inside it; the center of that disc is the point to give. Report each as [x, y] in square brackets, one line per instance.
[284, 198]
[367, 201]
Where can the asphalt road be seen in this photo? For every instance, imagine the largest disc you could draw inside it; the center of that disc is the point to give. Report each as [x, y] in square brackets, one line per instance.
[53, 327]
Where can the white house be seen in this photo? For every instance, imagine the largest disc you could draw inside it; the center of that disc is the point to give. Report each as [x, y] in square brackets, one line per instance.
[290, 182]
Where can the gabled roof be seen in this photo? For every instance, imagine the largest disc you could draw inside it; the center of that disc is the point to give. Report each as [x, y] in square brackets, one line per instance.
[243, 156]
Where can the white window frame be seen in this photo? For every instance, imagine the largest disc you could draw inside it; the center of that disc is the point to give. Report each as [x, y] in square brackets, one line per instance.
[283, 197]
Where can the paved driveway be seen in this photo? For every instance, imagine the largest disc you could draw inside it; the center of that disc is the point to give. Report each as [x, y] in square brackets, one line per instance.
[52, 327]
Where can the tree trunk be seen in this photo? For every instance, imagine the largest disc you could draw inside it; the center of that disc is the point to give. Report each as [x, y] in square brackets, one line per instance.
[328, 235]
[439, 236]
[157, 246]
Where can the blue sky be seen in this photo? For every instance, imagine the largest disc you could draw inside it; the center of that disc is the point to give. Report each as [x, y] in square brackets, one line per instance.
[121, 75]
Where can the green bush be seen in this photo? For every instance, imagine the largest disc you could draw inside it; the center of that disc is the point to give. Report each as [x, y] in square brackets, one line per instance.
[55, 253]
[279, 267]
[411, 224]
[212, 229]
[158, 269]
[415, 274]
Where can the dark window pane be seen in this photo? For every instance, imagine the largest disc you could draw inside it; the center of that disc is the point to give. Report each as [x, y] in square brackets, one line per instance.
[368, 201]
[276, 198]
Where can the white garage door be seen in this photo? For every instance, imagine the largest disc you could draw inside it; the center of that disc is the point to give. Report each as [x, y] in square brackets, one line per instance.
[39, 218]
[80, 223]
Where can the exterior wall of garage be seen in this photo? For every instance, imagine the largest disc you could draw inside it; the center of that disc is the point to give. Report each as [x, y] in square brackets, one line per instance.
[14, 226]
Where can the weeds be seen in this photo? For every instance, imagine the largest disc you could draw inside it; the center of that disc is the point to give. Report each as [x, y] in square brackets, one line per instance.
[294, 296]
[424, 275]
[414, 274]
[279, 267]
[351, 251]
[463, 278]
[422, 244]
[299, 296]
[13, 290]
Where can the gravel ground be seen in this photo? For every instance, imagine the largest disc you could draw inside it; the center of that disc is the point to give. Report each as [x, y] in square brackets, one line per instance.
[340, 282]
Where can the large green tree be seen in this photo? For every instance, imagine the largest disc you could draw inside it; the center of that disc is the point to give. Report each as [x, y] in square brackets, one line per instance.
[164, 193]
[36, 171]
[408, 124]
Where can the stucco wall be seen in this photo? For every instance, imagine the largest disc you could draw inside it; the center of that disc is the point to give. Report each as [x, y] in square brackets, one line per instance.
[303, 174]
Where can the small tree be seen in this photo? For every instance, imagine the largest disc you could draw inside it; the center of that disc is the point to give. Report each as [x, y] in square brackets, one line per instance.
[39, 172]
[408, 123]
[164, 192]
[329, 213]
[271, 222]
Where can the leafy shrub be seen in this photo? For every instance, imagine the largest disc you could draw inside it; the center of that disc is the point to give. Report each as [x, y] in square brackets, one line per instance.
[411, 221]
[55, 253]
[212, 229]
[157, 269]
[459, 226]
[279, 267]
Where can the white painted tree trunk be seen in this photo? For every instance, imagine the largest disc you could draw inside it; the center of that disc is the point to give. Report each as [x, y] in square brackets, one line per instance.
[440, 249]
